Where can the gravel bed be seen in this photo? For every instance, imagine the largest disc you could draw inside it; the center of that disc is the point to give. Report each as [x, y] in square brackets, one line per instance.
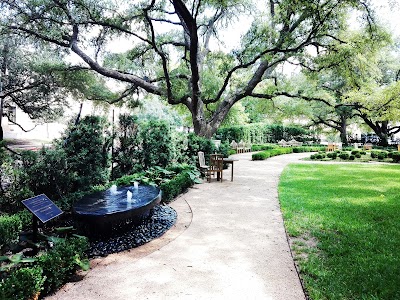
[157, 224]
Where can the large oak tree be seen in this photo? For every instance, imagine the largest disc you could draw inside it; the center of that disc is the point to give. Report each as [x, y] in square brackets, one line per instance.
[170, 51]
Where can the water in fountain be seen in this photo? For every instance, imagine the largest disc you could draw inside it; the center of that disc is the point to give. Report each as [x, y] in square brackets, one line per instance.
[129, 196]
[113, 189]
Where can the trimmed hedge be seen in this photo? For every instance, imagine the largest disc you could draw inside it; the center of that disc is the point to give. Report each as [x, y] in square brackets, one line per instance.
[175, 186]
[257, 133]
[262, 147]
[269, 153]
[279, 151]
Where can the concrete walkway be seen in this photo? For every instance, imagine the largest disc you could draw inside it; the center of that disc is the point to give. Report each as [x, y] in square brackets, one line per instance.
[229, 243]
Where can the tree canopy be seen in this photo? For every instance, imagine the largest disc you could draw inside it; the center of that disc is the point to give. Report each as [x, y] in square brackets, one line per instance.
[168, 45]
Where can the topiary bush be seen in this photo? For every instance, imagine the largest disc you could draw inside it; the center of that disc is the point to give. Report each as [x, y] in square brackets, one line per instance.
[344, 156]
[358, 155]
[332, 155]
[352, 157]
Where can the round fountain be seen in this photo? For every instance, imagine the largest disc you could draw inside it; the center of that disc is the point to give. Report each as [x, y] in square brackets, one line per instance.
[116, 208]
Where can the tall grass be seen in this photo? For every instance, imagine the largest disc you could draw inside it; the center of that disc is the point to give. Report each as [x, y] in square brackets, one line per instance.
[344, 221]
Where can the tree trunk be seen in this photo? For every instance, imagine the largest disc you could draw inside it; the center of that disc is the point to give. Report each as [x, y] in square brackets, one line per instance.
[343, 131]
[381, 130]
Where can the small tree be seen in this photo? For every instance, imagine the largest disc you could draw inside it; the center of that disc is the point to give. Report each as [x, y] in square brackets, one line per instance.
[156, 144]
[126, 154]
[87, 146]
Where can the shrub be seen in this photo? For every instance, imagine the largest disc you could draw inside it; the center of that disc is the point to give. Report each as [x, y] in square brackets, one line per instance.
[196, 144]
[269, 153]
[363, 152]
[50, 165]
[260, 156]
[126, 154]
[318, 156]
[313, 156]
[374, 154]
[381, 156]
[358, 155]
[396, 157]
[87, 148]
[262, 133]
[10, 227]
[156, 144]
[176, 186]
[354, 152]
[332, 155]
[344, 156]
[262, 147]
[352, 157]
[60, 263]
[22, 284]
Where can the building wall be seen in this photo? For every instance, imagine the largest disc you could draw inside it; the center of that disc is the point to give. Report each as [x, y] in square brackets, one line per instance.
[50, 131]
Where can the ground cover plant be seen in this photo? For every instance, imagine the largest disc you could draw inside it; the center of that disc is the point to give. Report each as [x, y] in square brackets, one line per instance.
[344, 227]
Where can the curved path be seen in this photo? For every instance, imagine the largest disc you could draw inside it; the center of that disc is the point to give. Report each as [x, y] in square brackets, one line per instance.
[229, 243]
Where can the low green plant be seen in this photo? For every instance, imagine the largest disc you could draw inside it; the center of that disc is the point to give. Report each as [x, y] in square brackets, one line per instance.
[344, 156]
[14, 260]
[332, 155]
[307, 149]
[318, 156]
[262, 147]
[396, 157]
[22, 284]
[175, 186]
[352, 157]
[358, 155]
[60, 263]
[10, 227]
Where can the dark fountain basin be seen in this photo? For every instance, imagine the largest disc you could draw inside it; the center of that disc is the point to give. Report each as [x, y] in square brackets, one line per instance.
[114, 209]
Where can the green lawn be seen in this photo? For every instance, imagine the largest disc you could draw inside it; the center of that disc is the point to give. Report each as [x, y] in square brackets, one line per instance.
[345, 224]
